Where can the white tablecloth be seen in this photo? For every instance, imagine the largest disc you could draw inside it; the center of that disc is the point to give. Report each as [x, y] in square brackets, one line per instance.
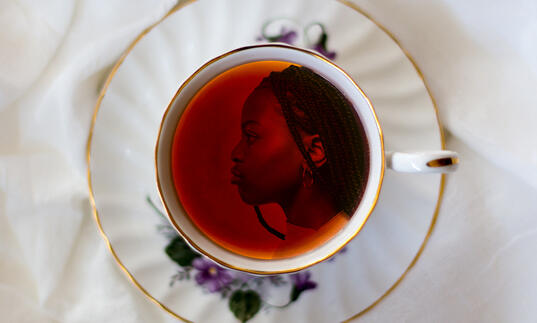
[479, 57]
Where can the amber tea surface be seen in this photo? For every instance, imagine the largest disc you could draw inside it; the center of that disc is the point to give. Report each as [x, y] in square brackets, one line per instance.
[269, 160]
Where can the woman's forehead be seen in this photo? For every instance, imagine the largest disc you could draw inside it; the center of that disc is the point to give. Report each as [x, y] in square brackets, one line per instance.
[261, 105]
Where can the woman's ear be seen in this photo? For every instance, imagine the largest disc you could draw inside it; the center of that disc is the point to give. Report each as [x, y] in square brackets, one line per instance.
[314, 147]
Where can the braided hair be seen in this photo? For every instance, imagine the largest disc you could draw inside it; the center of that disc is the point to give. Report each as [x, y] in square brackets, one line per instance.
[312, 104]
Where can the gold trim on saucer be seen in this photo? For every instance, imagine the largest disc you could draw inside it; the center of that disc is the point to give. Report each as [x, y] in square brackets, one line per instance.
[441, 162]
[196, 246]
[114, 70]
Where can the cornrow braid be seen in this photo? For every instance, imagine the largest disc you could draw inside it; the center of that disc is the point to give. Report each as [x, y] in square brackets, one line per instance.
[312, 104]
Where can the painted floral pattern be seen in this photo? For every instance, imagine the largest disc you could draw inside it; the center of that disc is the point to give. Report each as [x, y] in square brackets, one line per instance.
[243, 291]
[210, 275]
[289, 34]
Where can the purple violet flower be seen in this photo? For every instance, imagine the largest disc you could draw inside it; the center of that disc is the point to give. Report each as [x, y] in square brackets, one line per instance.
[320, 45]
[323, 51]
[210, 275]
[302, 282]
[287, 36]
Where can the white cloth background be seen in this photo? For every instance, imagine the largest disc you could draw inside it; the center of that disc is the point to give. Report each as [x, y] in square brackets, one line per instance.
[479, 57]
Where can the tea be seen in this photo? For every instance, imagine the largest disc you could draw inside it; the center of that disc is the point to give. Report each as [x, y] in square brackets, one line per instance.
[269, 160]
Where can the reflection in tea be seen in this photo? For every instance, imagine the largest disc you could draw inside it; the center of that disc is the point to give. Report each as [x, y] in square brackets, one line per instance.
[299, 159]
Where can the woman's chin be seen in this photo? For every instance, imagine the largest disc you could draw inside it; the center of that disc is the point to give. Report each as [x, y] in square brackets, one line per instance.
[249, 198]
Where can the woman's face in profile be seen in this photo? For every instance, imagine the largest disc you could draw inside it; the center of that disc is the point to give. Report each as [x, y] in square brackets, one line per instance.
[266, 161]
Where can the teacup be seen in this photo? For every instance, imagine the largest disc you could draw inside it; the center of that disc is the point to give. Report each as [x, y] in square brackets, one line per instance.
[325, 189]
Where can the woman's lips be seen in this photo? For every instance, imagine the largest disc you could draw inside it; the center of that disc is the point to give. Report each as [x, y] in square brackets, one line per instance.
[236, 176]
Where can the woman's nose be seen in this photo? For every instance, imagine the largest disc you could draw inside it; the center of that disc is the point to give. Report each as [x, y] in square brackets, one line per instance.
[237, 153]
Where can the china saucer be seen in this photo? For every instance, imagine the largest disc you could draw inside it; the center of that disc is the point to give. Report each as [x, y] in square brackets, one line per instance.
[122, 175]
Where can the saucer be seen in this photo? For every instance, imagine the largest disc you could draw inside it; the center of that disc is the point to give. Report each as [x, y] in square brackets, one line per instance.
[122, 174]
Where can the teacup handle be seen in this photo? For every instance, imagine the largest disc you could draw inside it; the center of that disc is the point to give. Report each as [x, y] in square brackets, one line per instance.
[439, 161]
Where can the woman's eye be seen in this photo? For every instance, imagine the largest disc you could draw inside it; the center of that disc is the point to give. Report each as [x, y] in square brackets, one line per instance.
[250, 138]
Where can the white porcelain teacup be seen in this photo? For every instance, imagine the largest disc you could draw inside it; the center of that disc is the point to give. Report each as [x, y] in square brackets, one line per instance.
[379, 159]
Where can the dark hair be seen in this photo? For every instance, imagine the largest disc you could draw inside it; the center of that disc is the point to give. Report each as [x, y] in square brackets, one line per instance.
[311, 103]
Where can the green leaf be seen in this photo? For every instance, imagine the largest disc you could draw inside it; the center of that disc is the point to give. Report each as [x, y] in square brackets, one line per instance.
[244, 304]
[179, 251]
[295, 293]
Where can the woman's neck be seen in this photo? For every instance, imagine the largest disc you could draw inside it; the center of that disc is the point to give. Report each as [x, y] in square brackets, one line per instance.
[310, 208]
